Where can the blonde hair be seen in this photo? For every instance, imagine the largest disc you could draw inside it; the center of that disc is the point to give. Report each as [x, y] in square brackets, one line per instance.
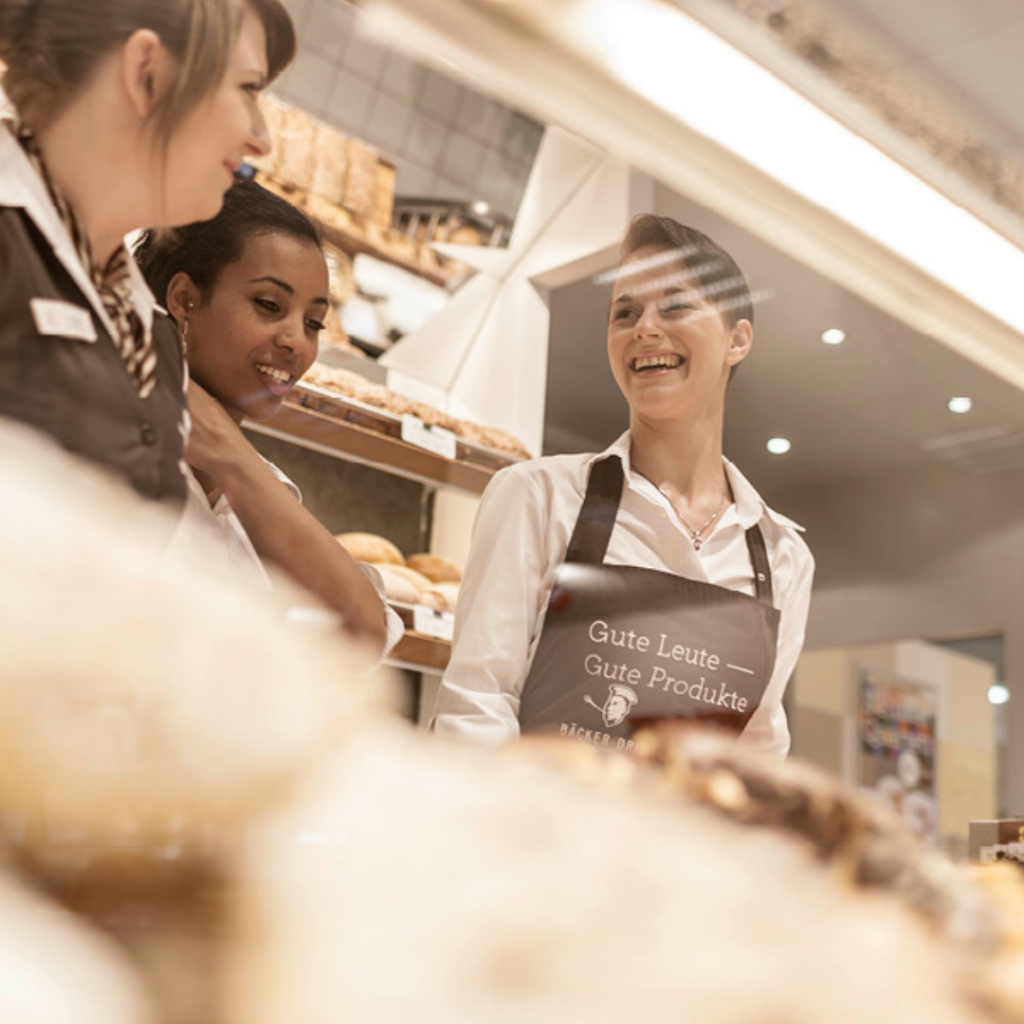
[52, 48]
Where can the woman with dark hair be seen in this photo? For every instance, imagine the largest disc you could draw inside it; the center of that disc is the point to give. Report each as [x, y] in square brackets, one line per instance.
[649, 582]
[249, 291]
[118, 114]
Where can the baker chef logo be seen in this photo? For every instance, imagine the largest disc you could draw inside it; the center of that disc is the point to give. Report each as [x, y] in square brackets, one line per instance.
[617, 706]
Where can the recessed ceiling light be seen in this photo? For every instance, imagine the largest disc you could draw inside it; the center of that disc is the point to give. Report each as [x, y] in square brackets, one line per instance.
[833, 336]
[779, 445]
[480, 208]
[960, 404]
[998, 694]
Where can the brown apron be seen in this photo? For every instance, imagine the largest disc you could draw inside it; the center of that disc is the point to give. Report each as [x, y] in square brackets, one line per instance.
[623, 646]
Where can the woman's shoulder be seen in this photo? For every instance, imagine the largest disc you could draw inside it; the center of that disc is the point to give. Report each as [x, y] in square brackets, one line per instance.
[546, 473]
[778, 529]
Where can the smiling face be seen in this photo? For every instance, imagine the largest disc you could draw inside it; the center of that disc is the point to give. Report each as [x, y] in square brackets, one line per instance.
[211, 142]
[670, 349]
[255, 334]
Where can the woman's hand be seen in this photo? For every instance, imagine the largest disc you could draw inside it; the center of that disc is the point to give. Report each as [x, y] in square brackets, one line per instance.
[215, 438]
[282, 531]
[218, 451]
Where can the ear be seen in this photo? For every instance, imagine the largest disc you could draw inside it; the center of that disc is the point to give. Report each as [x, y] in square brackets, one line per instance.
[182, 297]
[147, 70]
[741, 340]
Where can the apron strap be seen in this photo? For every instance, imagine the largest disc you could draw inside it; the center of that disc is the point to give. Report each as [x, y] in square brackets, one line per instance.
[596, 520]
[759, 560]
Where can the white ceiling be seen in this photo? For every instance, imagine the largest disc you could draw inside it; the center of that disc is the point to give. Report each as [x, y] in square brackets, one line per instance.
[966, 52]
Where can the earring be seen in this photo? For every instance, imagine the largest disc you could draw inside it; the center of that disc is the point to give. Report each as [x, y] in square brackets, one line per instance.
[184, 331]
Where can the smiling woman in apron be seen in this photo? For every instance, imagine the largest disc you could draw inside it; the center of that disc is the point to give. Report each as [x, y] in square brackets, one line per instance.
[649, 581]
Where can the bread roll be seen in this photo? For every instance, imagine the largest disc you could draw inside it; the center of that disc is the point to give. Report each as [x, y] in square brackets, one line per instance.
[436, 568]
[369, 547]
[433, 600]
[396, 586]
[449, 593]
[417, 579]
[493, 438]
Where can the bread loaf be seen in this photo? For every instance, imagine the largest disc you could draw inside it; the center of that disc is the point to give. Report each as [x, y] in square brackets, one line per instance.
[369, 547]
[417, 579]
[361, 184]
[396, 586]
[297, 145]
[436, 568]
[331, 164]
[384, 200]
[449, 593]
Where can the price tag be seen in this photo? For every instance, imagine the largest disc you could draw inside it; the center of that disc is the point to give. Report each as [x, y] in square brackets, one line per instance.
[439, 625]
[433, 439]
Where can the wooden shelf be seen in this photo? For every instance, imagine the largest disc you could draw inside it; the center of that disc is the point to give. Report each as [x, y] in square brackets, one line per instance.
[420, 653]
[357, 433]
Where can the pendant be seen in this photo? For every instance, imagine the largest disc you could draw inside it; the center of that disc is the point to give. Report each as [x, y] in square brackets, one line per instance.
[697, 543]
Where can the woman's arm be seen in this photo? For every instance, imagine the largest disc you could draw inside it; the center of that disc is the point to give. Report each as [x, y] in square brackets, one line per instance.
[282, 531]
[500, 599]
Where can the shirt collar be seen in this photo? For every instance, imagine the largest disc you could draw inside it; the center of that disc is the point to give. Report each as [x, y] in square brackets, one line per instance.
[22, 188]
[750, 506]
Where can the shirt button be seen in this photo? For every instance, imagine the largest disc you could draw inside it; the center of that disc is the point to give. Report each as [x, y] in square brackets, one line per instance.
[148, 434]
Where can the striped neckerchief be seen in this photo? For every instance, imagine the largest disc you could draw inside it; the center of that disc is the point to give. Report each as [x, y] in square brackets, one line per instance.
[113, 281]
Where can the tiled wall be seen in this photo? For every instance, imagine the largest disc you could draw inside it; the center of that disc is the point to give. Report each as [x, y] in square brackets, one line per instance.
[447, 140]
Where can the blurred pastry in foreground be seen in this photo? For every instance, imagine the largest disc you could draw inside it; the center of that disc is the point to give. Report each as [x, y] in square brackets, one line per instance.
[55, 969]
[148, 709]
[416, 881]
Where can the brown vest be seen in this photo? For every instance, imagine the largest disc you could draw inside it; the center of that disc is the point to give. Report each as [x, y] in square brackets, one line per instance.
[80, 392]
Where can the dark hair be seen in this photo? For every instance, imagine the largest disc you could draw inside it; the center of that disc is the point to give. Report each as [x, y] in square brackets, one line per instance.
[721, 280]
[52, 48]
[202, 250]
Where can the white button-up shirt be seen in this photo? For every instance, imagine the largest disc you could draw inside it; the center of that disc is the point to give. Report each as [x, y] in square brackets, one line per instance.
[520, 536]
[214, 538]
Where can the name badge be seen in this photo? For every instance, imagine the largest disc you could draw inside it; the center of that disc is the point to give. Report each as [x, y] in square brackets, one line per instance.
[56, 318]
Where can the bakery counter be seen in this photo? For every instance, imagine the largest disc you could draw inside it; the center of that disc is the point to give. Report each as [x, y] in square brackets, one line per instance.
[354, 431]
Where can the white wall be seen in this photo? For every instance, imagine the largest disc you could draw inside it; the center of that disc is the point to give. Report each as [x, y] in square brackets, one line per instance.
[923, 557]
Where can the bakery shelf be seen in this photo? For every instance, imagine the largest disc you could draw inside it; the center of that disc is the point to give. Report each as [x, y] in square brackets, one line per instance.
[353, 235]
[355, 432]
[420, 653]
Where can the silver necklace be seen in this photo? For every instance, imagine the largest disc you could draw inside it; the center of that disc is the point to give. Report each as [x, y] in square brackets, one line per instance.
[696, 536]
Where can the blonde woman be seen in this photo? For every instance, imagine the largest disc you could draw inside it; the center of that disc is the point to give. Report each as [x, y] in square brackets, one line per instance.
[119, 114]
